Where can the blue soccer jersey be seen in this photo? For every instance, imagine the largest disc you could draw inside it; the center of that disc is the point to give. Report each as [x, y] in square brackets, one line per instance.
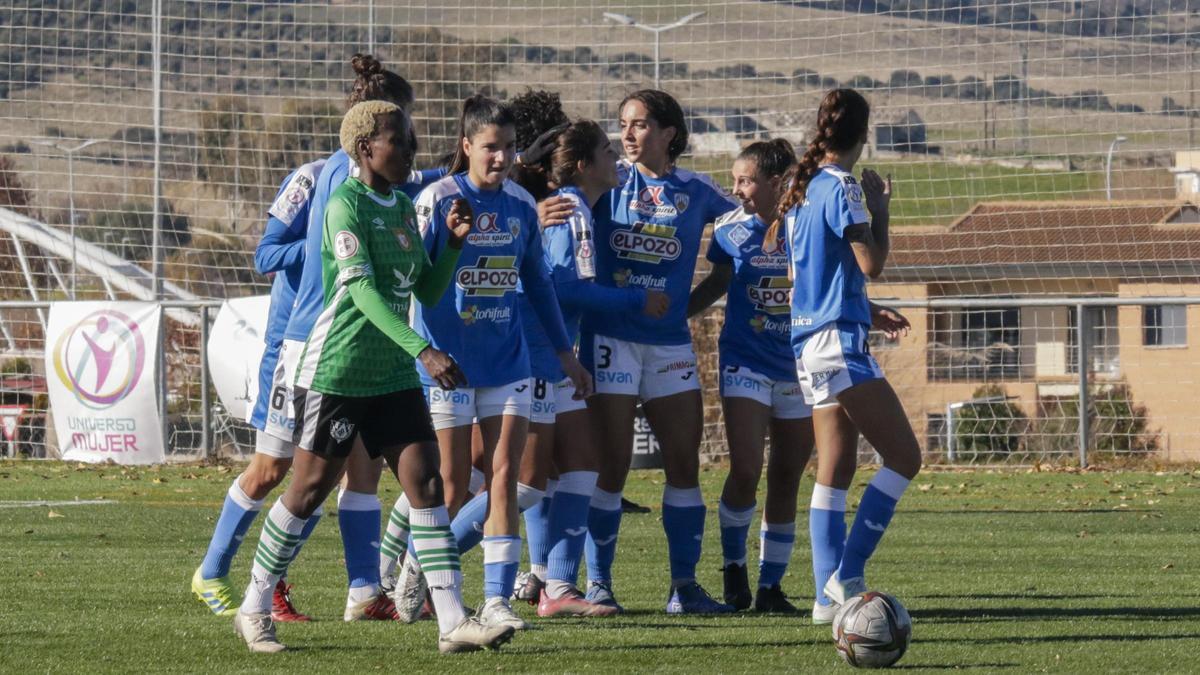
[477, 321]
[648, 234]
[310, 296]
[827, 282]
[570, 259]
[757, 330]
[281, 252]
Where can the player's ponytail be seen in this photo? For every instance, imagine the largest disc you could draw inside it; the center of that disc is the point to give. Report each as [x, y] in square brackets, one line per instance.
[479, 111]
[841, 124]
[373, 82]
[771, 158]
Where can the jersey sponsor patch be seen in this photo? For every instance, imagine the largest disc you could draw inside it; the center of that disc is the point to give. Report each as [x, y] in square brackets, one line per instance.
[646, 242]
[345, 245]
[739, 234]
[341, 429]
[292, 199]
[585, 252]
[488, 232]
[490, 276]
[772, 295]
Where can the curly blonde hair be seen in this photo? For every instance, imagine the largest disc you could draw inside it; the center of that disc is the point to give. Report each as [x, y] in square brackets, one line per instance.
[362, 121]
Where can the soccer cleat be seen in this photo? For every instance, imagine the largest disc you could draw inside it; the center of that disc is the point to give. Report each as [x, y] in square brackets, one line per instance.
[282, 609]
[471, 635]
[772, 599]
[573, 603]
[601, 593]
[218, 594]
[258, 630]
[410, 590]
[823, 614]
[691, 598]
[528, 588]
[839, 591]
[737, 586]
[497, 612]
[628, 506]
[378, 608]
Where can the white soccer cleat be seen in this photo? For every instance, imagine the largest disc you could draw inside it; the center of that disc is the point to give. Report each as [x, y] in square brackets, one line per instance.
[409, 594]
[472, 635]
[497, 612]
[838, 591]
[258, 630]
[822, 615]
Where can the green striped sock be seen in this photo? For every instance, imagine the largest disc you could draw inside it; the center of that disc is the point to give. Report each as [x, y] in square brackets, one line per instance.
[277, 546]
[395, 538]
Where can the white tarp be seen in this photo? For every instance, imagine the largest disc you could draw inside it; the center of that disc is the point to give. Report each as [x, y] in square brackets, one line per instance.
[101, 370]
[235, 348]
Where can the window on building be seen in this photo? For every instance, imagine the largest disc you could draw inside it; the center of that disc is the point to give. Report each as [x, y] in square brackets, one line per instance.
[975, 344]
[1164, 325]
[1104, 352]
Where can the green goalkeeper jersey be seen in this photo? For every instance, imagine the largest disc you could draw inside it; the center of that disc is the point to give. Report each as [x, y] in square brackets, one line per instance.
[372, 263]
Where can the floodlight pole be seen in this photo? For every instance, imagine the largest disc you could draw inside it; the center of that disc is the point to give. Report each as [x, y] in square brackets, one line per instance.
[1108, 166]
[626, 20]
[70, 153]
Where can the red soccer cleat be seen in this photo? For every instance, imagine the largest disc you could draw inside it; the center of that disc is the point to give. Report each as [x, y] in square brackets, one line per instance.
[282, 609]
[573, 603]
[381, 608]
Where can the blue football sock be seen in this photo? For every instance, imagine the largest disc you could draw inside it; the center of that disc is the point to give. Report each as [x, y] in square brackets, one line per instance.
[467, 526]
[735, 528]
[359, 520]
[683, 521]
[537, 536]
[775, 550]
[874, 513]
[501, 557]
[567, 524]
[237, 514]
[827, 532]
[604, 523]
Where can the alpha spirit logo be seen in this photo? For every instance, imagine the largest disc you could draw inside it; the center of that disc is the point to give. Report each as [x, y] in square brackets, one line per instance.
[490, 276]
[101, 359]
[646, 242]
[650, 201]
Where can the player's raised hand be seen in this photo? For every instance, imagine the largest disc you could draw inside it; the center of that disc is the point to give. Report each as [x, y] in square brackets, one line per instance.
[877, 191]
[543, 145]
[442, 368]
[459, 221]
[892, 323]
[554, 211]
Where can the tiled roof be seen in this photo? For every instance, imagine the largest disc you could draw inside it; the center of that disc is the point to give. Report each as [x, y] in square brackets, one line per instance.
[1107, 239]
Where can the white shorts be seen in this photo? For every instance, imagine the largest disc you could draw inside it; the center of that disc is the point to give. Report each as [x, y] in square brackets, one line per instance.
[648, 371]
[281, 413]
[266, 444]
[832, 360]
[785, 399]
[463, 406]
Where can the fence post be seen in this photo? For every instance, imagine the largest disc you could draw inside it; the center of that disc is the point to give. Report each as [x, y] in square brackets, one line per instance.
[205, 402]
[1082, 355]
[163, 376]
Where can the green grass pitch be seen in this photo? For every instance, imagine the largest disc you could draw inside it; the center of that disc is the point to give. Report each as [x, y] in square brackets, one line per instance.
[1006, 571]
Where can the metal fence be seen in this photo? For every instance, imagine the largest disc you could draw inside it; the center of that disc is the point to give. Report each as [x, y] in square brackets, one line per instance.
[984, 381]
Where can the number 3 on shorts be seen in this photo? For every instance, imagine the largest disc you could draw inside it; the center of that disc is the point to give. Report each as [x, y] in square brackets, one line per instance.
[606, 355]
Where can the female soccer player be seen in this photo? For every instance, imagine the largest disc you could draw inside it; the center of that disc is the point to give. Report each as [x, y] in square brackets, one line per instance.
[648, 237]
[584, 164]
[296, 215]
[834, 245]
[356, 375]
[478, 324]
[759, 389]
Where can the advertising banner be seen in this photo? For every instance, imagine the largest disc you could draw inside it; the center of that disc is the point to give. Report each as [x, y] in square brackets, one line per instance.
[101, 370]
[235, 348]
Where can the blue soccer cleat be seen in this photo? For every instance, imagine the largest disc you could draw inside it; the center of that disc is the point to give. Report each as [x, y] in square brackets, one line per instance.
[691, 598]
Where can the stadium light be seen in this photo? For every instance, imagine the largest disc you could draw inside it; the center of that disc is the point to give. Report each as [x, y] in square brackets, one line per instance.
[626, 20]
[1108, 165]
[70, 153]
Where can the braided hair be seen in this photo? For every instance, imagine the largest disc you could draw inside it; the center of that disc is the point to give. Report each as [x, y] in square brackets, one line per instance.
[373, 82]
[841, 124]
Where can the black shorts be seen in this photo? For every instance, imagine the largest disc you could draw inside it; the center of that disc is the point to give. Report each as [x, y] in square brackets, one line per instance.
[327, 424]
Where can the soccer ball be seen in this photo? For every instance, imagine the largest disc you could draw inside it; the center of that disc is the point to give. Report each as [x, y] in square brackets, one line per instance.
[872, 630]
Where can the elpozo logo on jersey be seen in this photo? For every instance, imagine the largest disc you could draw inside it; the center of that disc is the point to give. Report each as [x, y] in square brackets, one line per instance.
[490, 276]
[646, 242]
[101, 359]
[649, 202]
[488, 232]
[771, 295]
